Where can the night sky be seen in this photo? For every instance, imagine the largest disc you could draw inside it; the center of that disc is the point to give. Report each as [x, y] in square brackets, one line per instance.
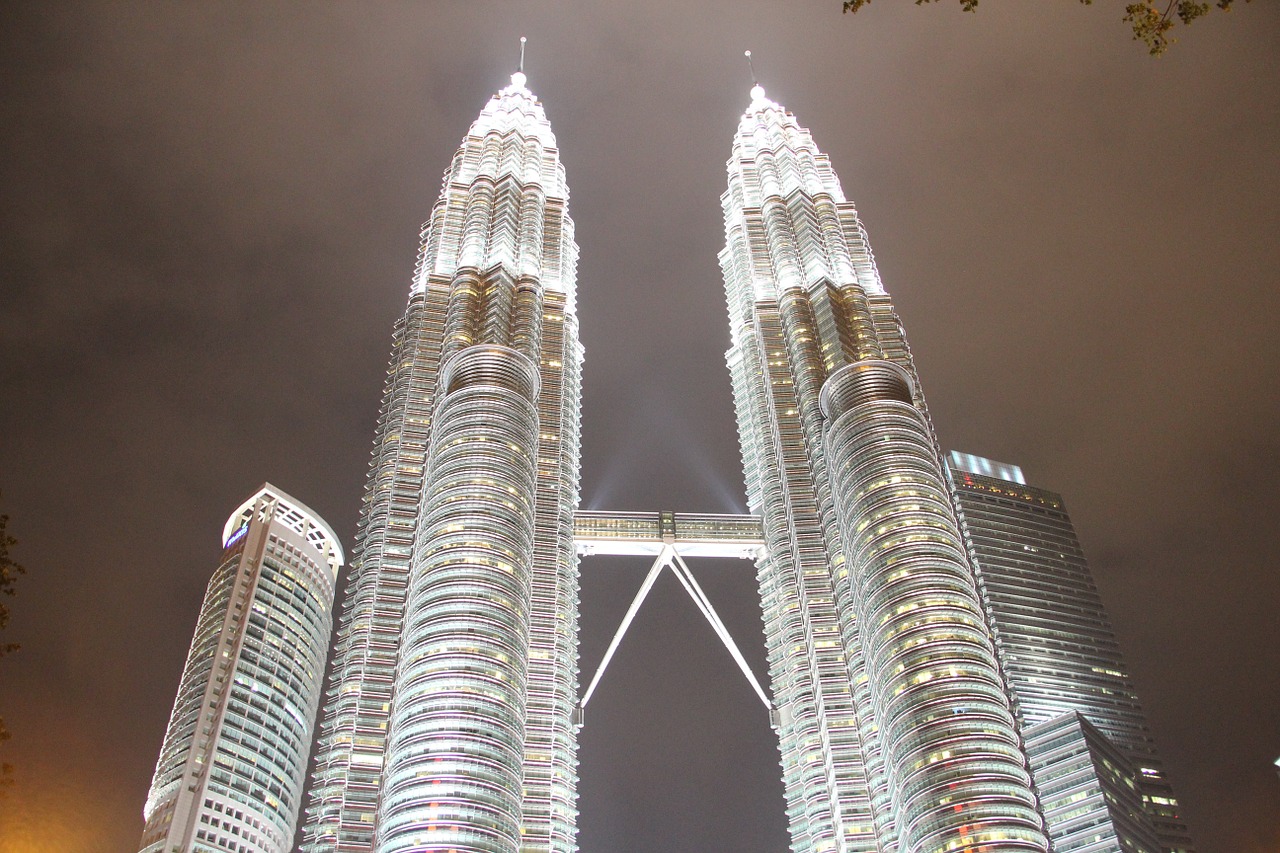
[210, 217]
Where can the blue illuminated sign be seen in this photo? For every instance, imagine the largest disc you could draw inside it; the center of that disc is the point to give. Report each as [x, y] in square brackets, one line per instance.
[237, 536]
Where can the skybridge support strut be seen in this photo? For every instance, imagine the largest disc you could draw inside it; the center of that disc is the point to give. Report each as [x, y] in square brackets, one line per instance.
[668, 557]
[663, 560]
[699, 597]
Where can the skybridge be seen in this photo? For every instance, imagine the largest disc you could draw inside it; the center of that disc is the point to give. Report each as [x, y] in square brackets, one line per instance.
[645, 534]
[669, 537]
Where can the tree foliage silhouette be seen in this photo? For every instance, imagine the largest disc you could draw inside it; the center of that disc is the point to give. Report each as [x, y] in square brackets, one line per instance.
[9, 571]
[1151, 20]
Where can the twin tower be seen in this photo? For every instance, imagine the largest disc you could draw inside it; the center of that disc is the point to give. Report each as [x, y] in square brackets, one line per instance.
[451, 715]
[451, 719]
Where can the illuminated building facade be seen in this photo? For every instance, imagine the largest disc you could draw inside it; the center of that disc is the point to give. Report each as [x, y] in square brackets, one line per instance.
[895, 730]
[450, 720]
[232, 765]
[1095, 764]
[449, 723]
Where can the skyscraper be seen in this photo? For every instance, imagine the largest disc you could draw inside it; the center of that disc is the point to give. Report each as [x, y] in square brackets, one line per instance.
[895, 731]
[449, 721]
[231, 768]
[1091, 751]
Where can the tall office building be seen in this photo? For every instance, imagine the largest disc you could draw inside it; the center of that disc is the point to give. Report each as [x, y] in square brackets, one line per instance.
[449, 720]
[451, 713]
[231, 768]
[895, 731]
[1094, 761]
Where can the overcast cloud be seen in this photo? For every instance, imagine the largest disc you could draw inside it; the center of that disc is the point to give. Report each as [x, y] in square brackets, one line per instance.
[208, 225]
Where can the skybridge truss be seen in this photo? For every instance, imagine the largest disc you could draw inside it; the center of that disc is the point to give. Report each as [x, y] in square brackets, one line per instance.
[670, 537]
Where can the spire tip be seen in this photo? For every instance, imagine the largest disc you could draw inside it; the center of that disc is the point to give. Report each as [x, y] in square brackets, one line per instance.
[519, 79]
[757, 91]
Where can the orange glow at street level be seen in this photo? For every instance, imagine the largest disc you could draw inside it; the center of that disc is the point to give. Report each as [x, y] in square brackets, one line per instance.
[52, 819]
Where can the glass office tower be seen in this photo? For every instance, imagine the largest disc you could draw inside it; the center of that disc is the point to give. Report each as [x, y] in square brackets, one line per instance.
[449, 719]
[895, 731]
[230, 774]
[1095, 764]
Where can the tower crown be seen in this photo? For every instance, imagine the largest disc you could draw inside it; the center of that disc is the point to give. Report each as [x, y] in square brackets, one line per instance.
[787, 221]
[273, 503]
[505, 199]
[512, 108]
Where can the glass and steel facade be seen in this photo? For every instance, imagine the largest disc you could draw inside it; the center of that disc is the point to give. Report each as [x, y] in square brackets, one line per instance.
[1088, 788]
[645, 533]
[894, 728]
[449, 720]
[231, 769]
[1060, 658]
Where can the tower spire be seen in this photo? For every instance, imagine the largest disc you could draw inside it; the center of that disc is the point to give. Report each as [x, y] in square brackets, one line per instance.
[519, 79]
[757, 91]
